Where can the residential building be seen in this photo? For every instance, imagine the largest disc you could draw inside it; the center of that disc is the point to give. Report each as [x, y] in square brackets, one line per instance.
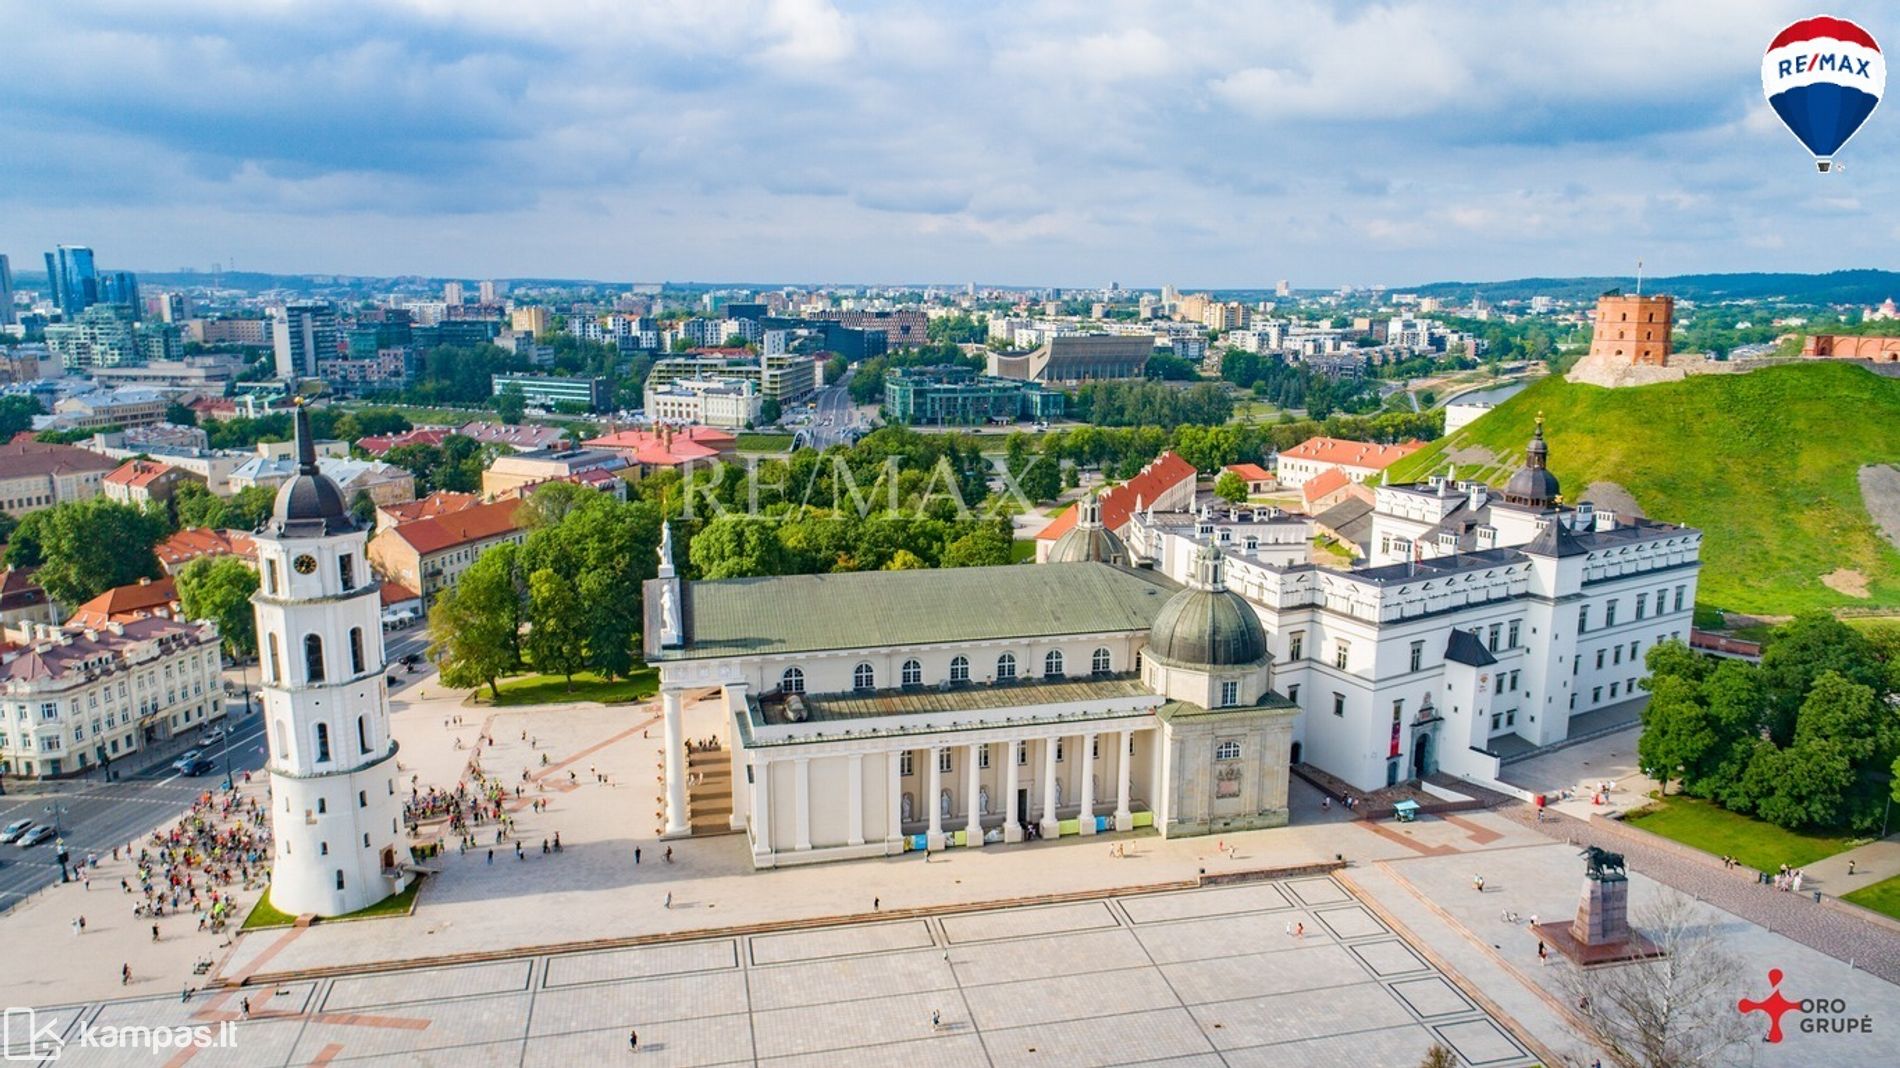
[22, 600]
[303, 334]
[729, 403]
[783, 377]
[193, 543]
[102, 335]
[428, 555]
[532, 319]
[378, 445]
[384, 369]
[143, 482]
[248, 332]
[73, 698]
[1359, 459]
[524, 437]
[144, 599]
[35, 475]
[384, 483]
[589, 393]
[441, 502]
[515, 470]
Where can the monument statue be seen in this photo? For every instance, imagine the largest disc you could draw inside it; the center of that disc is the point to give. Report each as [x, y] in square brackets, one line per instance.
[1600, 933]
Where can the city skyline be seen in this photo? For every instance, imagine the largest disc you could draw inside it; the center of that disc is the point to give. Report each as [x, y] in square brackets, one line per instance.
[1047, 145]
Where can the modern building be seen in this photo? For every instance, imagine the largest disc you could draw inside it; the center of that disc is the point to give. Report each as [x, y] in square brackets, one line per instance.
[901, 329]
[947, 395]
[35, 475]
[101, 335]
[7, 316]
[1360, 460]
[335, 812]
[121, 288]
[728, 403]
[73, 278]
[533, 319]
[783, 377]
[888, 711]
[303, 334]
[1078, 358]
[74, 698]
[1634, 329]
[591, 393]
[428, 555]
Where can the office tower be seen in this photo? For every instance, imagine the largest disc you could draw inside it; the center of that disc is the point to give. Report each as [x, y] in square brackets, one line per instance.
[6, 292]
[302, 335]
[120, 287]
[74, 281]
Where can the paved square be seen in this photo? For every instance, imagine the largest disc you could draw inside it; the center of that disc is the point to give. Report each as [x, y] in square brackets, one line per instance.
[1181, 978]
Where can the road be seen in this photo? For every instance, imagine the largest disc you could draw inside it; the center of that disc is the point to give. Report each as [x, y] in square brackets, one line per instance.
[98, 815]
[834, 403]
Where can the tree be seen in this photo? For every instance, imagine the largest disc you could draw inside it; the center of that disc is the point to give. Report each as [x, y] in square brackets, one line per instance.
[1797, 654]
[985, 546]
[1231, 488]
[180, 415]
[219, 589]
[736, 546]
[194, 505]
[905, 560]
[557, 633]
[1677, 735]
[1439, 1056]
[476, 624]
[363, 508]
[770, 411]
[16, 415]
[88, 547]
[1673, 1011]
[511, 404]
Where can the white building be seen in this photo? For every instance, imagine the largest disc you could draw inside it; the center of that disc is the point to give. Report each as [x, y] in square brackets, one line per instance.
[873, 713]
[334, 807]
[1484, 627]
[727, 403]
[1360, 460]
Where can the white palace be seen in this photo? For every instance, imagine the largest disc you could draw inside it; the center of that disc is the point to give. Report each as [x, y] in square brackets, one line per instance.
[1165, 673]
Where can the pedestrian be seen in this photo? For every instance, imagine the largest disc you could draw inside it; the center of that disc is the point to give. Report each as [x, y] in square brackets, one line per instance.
[1477, 881]
[669, 899]
[544, 846]
[636, 854]
[875, 903]
[633, 1039]
[1299, 929]
[491, 856]
[244, 1007]
[1850, 865]
[155, 929]
[1533, 919]
[125, 974]
[936, 1019]
[1543, 952]
[669, 854]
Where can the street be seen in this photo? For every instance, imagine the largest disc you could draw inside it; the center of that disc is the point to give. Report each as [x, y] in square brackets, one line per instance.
[833, 403]
[98, 815]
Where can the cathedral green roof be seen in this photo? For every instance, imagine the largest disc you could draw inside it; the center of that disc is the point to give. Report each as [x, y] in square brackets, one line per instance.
[873, 609]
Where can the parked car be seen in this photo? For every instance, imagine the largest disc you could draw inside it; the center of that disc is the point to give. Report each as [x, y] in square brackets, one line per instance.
[36, 836]
[14, 830]
[195, 766]
[215, 734]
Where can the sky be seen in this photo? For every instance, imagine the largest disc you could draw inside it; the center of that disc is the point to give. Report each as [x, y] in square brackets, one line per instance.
[1217, 144]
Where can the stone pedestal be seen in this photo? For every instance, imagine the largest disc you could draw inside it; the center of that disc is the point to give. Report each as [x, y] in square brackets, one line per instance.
[1603, 913]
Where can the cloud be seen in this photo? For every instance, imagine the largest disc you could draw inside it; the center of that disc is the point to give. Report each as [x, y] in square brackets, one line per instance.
[1063, 141]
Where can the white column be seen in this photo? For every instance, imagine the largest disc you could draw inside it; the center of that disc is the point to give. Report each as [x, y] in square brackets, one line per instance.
[801, 789]
[894, 802]
[973, 827]
[855, 836]
[933, 839]
[1012, 819]
[1051, 827]
[1087, 786]
[735, 705]
[676, 827]
[762, 808]
[1124, 818]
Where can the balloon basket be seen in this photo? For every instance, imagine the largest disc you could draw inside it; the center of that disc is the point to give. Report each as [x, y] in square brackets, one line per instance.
[1824, 165]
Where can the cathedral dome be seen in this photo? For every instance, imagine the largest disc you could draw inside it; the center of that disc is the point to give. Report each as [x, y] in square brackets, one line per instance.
[311, 503]
[1208, 624]
[1089, 539]
[1533, 485]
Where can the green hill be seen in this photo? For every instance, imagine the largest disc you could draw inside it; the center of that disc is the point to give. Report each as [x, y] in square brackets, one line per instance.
[1766, 464]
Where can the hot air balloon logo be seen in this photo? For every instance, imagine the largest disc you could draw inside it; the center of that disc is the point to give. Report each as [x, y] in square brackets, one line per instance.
[1823, 76]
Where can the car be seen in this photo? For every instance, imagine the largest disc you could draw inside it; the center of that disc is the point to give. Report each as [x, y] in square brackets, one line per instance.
[215, 734]
[14, 830]
[189, 754]
[196, 766]
[36, 836]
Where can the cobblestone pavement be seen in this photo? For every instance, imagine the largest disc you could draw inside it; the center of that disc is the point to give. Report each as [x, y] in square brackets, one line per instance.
[1837, 934]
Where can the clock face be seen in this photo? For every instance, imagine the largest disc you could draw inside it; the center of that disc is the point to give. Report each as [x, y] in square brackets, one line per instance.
[305, 564]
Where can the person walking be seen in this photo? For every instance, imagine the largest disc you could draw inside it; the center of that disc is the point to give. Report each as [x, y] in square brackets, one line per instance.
[244, 1007]
[636, 854]
[491, 856]
[125, 974]
[669, 899]
[1543, 952]
[155, 932]
[875, 903]
[633, 1039]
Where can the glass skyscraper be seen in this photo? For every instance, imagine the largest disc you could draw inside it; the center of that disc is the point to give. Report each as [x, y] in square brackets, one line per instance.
[74, 280]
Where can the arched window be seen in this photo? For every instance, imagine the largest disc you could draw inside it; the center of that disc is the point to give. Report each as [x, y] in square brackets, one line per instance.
[356, 650]
[960, 669]
[362, 734]
[1052, 664]
[1005, 667]
[913, 673]
[312, 658]
[276, 660]
[863, 678]
[323, 742]
[1228, 750]
[1101, 663]
[793, 681]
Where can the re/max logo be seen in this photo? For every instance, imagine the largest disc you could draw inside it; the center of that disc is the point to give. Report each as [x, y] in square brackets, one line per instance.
[1843, 63]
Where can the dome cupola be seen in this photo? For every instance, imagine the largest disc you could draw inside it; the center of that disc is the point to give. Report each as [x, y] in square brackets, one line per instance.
[1208, 624]
[1533, 486]
[1089, 539]
[311, 504]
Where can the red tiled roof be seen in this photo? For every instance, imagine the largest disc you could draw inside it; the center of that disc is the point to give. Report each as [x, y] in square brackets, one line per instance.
[441, 502]
[18, 590]
[1323, 483]
[480, 523]
[1118, 503]
[667, 447]
[189, 544]
[24, 457]
[122, 604]
[395, 593]
[1251, 472]
[379, 445]
[1352, 453]
[138, 474]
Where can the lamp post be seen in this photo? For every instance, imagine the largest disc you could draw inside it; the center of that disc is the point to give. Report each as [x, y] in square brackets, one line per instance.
[59, 840]
[244, 679]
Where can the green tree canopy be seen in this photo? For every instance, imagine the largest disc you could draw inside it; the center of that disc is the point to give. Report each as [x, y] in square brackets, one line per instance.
[1230, 487]
[219, 589]
[88, 547]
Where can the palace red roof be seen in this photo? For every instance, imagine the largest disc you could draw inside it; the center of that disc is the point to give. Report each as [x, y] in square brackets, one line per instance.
[1118, 503]
[1251, 472]
[378, 445]
[1352, 453]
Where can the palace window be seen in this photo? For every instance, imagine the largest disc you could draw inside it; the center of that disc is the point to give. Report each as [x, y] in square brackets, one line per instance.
[913, 673]
[793, 681]
[1296, 646]
[960, 669]
[943, 760]
[1059, 753]
[1599, 659]
[1052, 664]
[982, 756]
[1293, 693]
[1229, 693]
[1227, 750]
[1609, 612]
[1022, 754]
[1339, 703]
[1583, 618]
[1512, 643]
[1102, 663]
[1679, 590]
[1497, 631]
[1006, 667]
[863, 678]
[903, 764]
[362, 734]
[1418, 655]
[1642, 604]
[1339, 655]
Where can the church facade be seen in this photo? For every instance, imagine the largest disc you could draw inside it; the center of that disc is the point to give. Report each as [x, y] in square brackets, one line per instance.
[879, 712]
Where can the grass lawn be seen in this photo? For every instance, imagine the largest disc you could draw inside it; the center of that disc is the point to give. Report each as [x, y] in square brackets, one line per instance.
[1716, 830]
[264, 914]
[553, 689]
[1022, 550]
[756, 442]
[1883, 896]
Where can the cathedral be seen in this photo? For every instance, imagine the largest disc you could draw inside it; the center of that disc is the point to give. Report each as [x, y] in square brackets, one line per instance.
[335, 812]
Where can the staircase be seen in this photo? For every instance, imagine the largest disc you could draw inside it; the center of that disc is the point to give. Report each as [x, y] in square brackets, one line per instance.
[709, 792]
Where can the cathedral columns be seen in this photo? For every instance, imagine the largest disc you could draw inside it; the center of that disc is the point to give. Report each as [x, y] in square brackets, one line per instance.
[676, 827]
[762, 808]
[894, 801]
[855, 835]
[1012, 819]
[1051, 827]
[1086, 818]
[934, 837]
[1124, 818]
[972, 790]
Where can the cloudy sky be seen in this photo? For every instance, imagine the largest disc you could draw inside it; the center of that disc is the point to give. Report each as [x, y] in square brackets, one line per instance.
[1064, 143]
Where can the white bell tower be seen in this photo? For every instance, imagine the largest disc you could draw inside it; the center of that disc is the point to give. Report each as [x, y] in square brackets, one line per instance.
[335, 811]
